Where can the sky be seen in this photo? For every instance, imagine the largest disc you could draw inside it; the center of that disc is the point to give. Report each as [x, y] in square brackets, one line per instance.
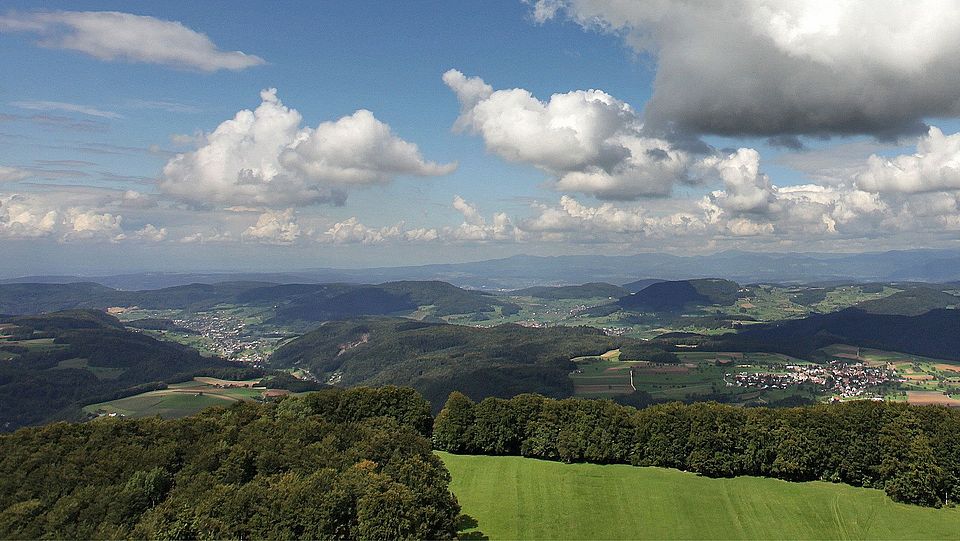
[182, 136]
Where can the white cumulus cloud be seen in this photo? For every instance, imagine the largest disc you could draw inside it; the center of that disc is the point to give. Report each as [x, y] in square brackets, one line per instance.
[934, 166]
[274, 227]
[82, 224]
[151, 233]
[265, 157]
[589, 141]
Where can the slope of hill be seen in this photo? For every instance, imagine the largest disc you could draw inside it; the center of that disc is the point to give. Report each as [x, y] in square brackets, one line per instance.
[931, 334]
[677, 295]
[638, 285]
[438, 358]
[911, 302]
[584, 291]
[51, 365]
[37, 298]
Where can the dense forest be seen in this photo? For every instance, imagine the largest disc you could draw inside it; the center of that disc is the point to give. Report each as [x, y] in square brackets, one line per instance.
[64, 360]
[353, 464]
[932, 334]
[911, 452]
[437, 358]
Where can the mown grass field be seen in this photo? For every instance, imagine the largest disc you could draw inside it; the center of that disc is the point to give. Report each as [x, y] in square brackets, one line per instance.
[178, 400]
[522, 498]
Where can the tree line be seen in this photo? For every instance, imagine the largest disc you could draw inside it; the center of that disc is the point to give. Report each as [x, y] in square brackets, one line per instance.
[913, 453]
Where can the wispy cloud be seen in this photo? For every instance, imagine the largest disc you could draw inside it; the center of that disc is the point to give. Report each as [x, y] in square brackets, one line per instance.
[64, 106]
[163, 105]
[112, 35]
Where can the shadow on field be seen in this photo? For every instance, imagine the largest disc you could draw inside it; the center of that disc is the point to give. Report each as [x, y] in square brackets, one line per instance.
[466, 522]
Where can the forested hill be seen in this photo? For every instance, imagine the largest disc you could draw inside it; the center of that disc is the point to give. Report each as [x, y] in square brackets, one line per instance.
[932, 334]
[438, 358]
[51, 365]
[676, 296]
[911, 302]
[309, 302]
[352, 464]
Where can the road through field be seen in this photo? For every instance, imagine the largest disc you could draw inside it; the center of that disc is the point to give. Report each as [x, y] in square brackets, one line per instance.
[520, 498]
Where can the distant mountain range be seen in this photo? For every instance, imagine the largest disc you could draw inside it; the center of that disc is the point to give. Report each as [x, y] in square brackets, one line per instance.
[289, 302]
[525, 271]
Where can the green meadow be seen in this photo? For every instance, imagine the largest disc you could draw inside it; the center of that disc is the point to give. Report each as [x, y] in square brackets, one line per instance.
[520, 498]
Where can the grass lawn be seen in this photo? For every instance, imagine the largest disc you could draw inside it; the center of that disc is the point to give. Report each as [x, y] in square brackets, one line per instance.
[522, 498]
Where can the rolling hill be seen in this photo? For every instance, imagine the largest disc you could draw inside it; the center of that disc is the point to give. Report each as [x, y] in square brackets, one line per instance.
[437, 358]
[53, 364]
[931, 334]
[675, 296]
[911, 302]
[305, 302]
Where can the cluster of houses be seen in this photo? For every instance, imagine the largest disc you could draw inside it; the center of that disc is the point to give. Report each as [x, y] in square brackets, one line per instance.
[227, 337]
[844, 379]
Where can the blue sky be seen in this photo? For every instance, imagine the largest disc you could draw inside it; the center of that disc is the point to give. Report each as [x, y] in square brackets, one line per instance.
[84, 138]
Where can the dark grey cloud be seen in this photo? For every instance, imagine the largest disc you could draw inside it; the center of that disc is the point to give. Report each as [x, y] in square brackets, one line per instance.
[772, 69]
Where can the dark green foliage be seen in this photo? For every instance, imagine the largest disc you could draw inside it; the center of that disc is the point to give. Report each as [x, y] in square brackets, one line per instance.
[66, 320]
[438, 358]
[646, 351]
[389, 298]
[156, 324]
[34, 388]
[679, 295]
[932, 334]
[911, 452]
[593, 289]
[640, 285]
[307, 468]
[231, 373]
[283, 380]
[910, 302]
[36, 298]
[810, 295]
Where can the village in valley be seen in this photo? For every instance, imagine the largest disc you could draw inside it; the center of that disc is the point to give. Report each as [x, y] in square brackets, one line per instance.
[843, 379]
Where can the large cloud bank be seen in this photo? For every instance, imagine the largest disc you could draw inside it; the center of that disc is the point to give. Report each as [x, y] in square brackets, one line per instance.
[787, 67]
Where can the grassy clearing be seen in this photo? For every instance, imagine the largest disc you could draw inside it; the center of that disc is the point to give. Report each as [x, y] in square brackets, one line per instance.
[166, 405]
[521, 498]
[178, 400]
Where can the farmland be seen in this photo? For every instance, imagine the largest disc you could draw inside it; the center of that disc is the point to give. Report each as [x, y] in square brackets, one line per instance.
[755, 303]
[697, 375]
[844, 372]
[520, 498]
[180, 399]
